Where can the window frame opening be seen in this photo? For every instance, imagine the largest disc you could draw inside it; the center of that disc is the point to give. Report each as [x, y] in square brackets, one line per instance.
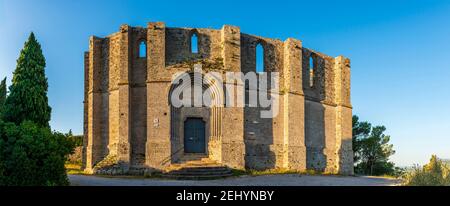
[259, 58]
[312, 68]
[142, 52]
[194, 40]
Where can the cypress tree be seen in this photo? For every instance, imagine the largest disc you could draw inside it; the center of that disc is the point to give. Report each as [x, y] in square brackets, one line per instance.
[27, 99]
[2, 95]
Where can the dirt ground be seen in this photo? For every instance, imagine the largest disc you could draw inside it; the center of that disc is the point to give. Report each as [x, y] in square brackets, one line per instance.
[262, 180]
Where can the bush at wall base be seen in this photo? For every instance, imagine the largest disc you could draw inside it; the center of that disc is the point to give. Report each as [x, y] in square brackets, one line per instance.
[32, 155]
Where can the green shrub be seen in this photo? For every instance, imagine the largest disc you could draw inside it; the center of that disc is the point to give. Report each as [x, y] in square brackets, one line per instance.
[435, 173]
[77, 140]
[32, 155]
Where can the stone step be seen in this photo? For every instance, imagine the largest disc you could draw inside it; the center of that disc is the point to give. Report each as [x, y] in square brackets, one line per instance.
[205, 160]
[191, 157]
[196, 167]
[209, 164]
[196, 177]
[203, 169]
[196, 173]
[193, 164]
[198, 170]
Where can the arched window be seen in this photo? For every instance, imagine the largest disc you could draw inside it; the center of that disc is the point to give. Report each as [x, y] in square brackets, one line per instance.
[194, 43]
[142, 50]
[259, 58]
[311, 71]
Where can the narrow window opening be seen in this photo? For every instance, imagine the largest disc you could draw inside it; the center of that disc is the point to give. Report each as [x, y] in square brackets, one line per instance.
[259, 58]
[142, 49]
[194, 43]
[311, 71]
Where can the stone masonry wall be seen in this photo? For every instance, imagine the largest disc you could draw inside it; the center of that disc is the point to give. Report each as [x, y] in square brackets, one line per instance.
[131, 127]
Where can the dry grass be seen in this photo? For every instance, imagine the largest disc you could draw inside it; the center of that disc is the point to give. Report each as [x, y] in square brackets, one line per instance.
[74, 169]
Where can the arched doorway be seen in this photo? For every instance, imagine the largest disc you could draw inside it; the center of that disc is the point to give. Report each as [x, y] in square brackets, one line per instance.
[205, 119]
[194, 136]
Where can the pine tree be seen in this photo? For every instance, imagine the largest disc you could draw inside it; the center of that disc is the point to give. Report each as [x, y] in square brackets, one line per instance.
[27, 99]
[2, 95]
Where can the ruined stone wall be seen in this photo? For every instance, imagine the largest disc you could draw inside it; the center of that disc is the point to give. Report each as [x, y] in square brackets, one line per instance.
[130, 122]
[94, 146]
[138, 100]
[324, 100]
[178, 45]
[263, 137]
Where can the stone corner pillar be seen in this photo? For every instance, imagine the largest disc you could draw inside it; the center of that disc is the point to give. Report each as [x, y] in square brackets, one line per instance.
[158, 153]
[232, 145]
[344, 150]
[231, 52]
[85, 110]
[156, 50]
[93, 104]
[123, 147]
[294, 106]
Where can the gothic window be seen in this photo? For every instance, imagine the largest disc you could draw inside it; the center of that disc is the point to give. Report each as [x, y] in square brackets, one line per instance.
[259, 58]
[194, 43]
[311, 71]
[142, 50]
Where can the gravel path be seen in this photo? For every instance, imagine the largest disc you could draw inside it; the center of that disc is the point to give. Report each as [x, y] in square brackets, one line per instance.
[263, 180]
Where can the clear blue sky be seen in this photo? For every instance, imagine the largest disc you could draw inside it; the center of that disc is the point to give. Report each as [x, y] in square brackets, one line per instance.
[400, 52]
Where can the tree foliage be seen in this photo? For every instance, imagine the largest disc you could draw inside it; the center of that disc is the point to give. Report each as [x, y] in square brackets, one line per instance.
[27, 99]
[32, 155]
[2, 95]
[435, 173]
[371, 149]
[360, 130]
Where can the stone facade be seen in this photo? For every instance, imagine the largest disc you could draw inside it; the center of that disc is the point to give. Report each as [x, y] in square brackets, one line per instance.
[131, 127]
